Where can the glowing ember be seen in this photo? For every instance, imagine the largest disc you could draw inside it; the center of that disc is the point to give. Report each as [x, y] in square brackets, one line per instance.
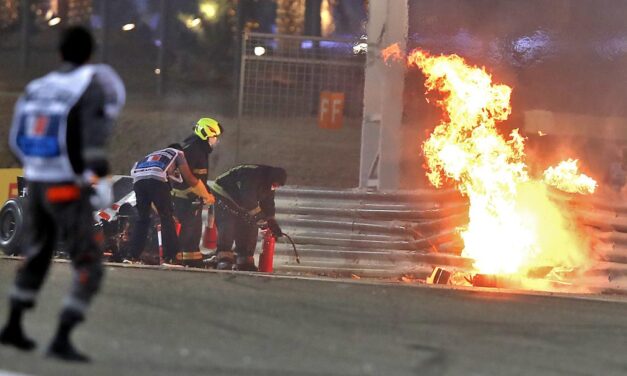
[514, 226]
[566, 177]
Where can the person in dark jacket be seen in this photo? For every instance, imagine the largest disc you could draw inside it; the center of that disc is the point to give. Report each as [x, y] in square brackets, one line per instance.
[60, 129]
[187, 204]
[244, 202]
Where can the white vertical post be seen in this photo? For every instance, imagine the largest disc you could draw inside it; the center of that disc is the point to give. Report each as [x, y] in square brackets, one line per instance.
[381, 143]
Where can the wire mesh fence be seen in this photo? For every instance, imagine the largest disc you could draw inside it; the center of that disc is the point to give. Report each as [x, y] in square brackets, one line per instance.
[282, 76]
[157, 46]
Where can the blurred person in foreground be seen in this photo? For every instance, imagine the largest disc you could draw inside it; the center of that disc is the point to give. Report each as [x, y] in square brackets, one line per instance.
[187, 204]
[59, 133]
[153, 176]
[245, 202]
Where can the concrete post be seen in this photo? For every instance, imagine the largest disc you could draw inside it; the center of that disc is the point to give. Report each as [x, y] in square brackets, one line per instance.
[381, 145]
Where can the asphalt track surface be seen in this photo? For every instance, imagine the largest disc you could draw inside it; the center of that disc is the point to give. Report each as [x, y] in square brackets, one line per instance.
[165, 322]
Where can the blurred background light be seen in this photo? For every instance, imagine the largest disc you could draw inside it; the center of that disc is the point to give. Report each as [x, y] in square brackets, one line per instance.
[192, 23]
[55, 21]
[209, 10]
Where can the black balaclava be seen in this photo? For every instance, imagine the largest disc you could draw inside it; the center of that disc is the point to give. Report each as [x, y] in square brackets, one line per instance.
[277, 175]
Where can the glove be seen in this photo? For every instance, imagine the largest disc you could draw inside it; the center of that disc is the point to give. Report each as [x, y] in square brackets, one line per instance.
[275, 228]
[262, 224]
[209, 200]
[260, 220]
[200, 190]
[102, 194]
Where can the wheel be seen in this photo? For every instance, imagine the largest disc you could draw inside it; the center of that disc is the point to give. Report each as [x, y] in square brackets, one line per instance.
[11, 226]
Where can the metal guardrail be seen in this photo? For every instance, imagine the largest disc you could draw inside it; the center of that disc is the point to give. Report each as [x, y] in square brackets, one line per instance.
[394, 234]
[356, 227]
[391, 234]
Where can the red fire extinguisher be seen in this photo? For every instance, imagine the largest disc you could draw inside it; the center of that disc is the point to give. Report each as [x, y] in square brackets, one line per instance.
[266, 259]
[210, 235]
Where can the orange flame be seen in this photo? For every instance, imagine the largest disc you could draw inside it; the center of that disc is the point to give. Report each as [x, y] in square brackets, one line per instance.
[565, 176]
[514, 226]
[392, 52]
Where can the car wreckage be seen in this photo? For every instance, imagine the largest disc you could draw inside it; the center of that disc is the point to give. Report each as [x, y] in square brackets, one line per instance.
[115, 224]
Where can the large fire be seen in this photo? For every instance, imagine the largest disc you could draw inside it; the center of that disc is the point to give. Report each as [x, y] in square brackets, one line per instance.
[514, 226]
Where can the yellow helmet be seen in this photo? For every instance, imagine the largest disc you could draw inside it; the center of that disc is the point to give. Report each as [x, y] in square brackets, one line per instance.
[207, 127]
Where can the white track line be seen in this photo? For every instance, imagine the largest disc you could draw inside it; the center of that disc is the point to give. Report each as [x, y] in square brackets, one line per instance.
[8, 373]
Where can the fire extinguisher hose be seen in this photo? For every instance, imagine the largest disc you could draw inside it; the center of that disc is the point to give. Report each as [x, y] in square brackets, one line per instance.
[293, 246]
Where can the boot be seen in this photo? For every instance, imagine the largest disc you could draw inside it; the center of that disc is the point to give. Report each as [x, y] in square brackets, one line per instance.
[169, 261]
[225, 260]
[210, 261]
[64, 350]
[12, 333]
[246, 264]
[172, 263]
[14, 336]
[193, 259]
[61, 347]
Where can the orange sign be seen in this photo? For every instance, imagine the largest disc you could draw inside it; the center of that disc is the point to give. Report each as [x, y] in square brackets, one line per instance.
[331, 113]
[8, 183]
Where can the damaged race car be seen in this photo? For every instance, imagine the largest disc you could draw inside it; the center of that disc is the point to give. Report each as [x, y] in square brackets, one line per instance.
[115, 224]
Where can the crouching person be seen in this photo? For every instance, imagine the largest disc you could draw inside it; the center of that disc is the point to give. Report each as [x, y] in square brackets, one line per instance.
[244, 202]
[152, 176]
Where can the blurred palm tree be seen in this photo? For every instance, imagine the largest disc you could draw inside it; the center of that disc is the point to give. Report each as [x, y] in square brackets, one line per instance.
[79, 11]
[290, 16]
[9, 10]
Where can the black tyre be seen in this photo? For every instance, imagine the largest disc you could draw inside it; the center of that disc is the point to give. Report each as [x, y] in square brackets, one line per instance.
[11, 226]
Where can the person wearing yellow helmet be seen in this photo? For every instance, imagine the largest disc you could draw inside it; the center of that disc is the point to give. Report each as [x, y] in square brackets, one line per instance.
[187, 205]
[207, 128]
[153, 176]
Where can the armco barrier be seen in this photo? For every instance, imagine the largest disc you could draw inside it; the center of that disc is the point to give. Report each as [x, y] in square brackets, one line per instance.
[391, 234]
[365, 233]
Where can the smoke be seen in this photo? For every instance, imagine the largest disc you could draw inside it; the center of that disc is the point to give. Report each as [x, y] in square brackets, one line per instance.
[559, 61]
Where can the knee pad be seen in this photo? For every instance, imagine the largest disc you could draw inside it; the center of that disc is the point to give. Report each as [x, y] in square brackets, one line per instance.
[90, 278]
[71, 316]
